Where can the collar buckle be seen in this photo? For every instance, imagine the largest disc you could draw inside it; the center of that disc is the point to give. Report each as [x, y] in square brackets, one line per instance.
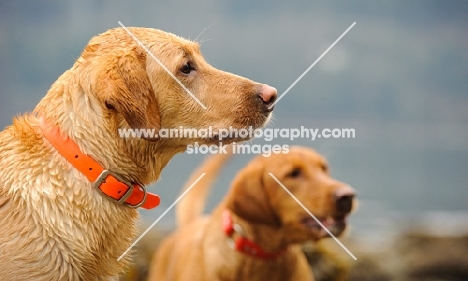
[235, 229]
[102, 179]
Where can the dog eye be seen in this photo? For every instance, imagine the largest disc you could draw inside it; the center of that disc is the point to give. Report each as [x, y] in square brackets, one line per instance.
[295, 173]
[324, 168]
[187, 68]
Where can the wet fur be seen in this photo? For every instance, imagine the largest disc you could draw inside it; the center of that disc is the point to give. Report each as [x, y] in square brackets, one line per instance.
[54, 226]
[199, 249]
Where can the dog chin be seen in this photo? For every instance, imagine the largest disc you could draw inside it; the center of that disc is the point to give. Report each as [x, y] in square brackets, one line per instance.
[268, 119]
[335, 226]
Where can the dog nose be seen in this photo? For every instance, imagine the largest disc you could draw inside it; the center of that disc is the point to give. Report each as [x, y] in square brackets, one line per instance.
[268, 96]
[344, 200]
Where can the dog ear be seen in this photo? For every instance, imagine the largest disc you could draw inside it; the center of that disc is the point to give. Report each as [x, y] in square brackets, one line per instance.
[128, 90]
[250, 198]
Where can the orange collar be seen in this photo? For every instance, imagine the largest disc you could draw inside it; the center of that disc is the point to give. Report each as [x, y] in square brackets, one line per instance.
[111, 185]
[243, 244]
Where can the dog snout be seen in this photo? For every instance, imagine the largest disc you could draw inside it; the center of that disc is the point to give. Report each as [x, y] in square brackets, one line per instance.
[267, 95]
[344, 198]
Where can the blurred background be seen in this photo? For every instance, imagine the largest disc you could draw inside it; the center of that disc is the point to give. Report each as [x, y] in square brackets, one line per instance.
[399, 78]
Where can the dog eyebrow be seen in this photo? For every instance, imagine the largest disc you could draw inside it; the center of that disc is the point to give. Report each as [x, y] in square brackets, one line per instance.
[190, 48]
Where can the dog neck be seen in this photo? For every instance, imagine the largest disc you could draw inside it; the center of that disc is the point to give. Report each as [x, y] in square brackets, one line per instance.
[109, 184]
[79, 114]
[239, 241]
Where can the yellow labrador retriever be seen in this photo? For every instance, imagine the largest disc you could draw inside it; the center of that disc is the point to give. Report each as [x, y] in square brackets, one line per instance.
[70, 185]
[256, 231]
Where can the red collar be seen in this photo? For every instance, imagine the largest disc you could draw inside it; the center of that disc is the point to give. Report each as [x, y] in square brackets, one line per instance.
[243, 244]
[111, 185]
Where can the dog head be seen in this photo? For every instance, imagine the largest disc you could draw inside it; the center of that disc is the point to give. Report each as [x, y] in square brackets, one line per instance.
[259, 198]
[166, 83]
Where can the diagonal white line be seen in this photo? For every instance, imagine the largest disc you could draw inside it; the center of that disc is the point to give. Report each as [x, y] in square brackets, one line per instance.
[318, 221]
[312, 65]
[162, 65]
[160, 217]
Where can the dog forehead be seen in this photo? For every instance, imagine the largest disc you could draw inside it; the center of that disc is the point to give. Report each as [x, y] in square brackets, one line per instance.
[167, 40]
[131, 37]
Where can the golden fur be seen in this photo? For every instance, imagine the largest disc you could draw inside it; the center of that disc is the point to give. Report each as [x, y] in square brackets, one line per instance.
[199, 249]
[54, 226]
